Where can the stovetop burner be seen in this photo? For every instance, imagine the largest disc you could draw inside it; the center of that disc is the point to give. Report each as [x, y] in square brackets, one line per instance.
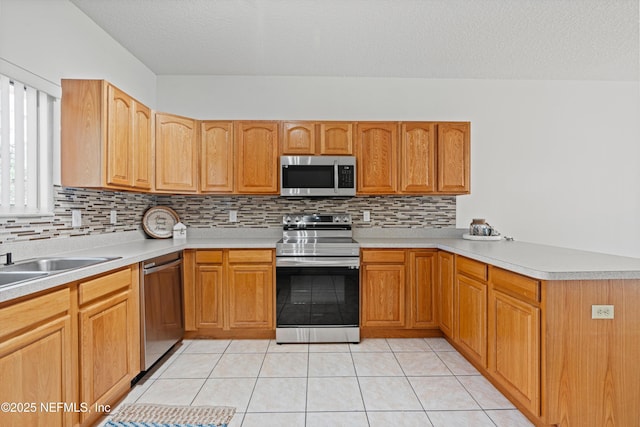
[317, 235]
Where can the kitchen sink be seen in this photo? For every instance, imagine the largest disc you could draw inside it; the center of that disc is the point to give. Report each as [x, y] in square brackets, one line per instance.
[49, 265]
[12, 277]
[45, 266]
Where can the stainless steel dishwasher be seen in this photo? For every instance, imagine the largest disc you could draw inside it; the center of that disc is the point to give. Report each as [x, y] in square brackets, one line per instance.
[161, 306]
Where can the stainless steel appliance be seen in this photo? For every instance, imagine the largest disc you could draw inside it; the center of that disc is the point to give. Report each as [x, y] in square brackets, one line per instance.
[317, 280]
[317, 176]
[161, 306]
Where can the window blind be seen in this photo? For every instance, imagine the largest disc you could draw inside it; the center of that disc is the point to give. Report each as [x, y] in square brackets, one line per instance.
[26, 138]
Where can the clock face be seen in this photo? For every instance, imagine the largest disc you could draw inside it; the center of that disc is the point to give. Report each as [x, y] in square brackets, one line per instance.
[158, 222]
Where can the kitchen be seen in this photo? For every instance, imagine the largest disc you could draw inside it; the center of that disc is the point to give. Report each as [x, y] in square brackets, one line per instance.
[562, 141]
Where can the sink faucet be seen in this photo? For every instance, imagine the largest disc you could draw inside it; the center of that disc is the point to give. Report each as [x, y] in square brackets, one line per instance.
[9, 260]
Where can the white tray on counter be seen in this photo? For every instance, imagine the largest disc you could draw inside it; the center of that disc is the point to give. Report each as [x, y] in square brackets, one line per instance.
[468, 236]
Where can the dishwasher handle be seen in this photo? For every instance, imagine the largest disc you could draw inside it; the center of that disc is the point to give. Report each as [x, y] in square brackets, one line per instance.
[155, 268]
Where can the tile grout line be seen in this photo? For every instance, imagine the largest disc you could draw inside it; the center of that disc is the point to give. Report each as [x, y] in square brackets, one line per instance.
[355, 370]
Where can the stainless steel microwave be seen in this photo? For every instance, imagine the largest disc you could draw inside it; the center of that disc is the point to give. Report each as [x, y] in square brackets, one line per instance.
[317, 176]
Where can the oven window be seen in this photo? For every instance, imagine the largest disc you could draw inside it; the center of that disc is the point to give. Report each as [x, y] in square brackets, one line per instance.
[308, 177]
[317, 296]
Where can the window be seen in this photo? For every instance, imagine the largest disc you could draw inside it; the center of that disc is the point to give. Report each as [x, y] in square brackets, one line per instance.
[26, 144]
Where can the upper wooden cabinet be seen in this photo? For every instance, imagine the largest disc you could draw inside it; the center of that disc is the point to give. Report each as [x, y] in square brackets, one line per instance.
[176, 154]
[418, 157]
[216, 157]
[109, 140]
[298, 138]
[105, 137]
[336, 138]
[317, 138]
[423, 158]
[454, 158]
[256, 157]
[377, 157]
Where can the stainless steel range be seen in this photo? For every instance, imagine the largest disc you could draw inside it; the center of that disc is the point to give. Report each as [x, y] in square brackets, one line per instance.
[317, 280]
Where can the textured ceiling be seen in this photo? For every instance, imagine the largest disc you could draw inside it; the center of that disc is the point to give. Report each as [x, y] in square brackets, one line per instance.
[494, 39]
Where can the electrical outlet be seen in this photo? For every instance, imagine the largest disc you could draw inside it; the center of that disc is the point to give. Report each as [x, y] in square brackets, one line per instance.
[233, 216]
[366, 216]
[113, 217]
[602, 312]
[76, 218]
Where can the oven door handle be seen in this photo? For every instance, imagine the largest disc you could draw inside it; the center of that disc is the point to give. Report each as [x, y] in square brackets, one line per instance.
[350, 262]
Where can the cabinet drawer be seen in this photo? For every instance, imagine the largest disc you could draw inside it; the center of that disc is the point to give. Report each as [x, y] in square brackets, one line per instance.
[515, 284]
[209, 257]
[103, 285]
[386, 256]
[471, 268]
[26, 313]
[250, 255]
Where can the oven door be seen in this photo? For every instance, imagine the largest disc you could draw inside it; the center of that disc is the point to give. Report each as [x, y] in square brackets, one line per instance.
[317, 292]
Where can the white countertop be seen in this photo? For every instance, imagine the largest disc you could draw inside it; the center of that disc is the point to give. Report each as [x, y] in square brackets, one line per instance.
[534, 260]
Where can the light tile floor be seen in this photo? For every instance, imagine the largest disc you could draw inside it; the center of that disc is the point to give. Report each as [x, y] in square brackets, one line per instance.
[379, 382]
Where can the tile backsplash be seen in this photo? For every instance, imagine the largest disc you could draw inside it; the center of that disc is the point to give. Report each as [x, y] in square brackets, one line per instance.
[202, 212]
[267, 211]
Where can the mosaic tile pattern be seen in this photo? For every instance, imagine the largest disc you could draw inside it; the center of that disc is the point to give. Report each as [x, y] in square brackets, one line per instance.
[95, 207]
[213, 212]
[267, 211]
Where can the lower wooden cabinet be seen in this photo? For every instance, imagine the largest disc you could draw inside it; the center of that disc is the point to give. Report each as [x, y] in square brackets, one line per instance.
[445, 284]
[70, 353]
[397, 292]
[422, 290]
[382, 289]
[471, 309]
[109, 339]
[514, 336]
[230, 290]
[36, 364]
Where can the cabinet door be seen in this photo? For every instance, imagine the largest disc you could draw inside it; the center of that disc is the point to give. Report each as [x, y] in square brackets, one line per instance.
[298, 138]
[336, 139]
[119, 138]
[514, 347]
[471, 322]
[36, 367]
[106, 351]
[142, 147]
[176, 154]
[216, 157]
[376, 156]
[37, 359]
[421, 284]
[250, 296]
[454, 158]
[208, 296]
[383, 295]
[256, 157]
[446, 280]
[417, 158]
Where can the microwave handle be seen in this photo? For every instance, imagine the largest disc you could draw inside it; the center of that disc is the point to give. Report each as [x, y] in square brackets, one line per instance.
[335, 176]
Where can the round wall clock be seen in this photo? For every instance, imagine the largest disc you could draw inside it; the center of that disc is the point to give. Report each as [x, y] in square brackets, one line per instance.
[158, 222]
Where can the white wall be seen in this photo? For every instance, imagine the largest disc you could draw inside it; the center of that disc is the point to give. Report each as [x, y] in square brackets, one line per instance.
[53, 39]
[553, 162]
